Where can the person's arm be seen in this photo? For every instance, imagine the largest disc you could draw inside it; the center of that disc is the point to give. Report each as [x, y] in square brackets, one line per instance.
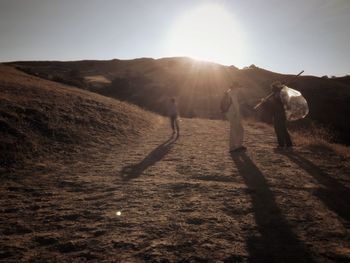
[263, 101]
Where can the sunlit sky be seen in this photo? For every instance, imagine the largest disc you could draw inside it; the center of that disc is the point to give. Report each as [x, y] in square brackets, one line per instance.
[279, 35]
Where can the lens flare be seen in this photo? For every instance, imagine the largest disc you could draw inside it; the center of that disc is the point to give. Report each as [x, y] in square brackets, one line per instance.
[208, 32]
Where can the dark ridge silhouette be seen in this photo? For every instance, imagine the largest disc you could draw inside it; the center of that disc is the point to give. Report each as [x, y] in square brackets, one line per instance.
[277, 243]
[133, 171]
[335, 195]
[199, 86]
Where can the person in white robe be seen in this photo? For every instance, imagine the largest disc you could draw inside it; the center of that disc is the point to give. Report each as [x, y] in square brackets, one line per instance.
[234, 116]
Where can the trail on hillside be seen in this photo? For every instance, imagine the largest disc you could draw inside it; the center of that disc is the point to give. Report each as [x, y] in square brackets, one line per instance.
[182, 199]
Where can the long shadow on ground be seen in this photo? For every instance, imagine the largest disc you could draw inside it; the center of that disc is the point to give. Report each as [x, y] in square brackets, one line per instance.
[135, 170]
[335, 195]
[277, 242]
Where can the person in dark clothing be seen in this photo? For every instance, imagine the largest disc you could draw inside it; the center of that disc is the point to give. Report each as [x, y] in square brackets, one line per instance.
[173, 114]
[279, 116]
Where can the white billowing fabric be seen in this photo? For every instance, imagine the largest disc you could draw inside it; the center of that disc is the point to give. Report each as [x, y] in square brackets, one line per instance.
[295, 104]
[234, 116]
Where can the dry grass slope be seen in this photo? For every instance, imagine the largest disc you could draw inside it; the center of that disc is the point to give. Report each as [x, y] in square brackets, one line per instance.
[318, 140]
[42, 120]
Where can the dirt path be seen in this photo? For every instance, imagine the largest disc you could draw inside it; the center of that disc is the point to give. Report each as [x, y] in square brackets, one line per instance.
[182, 200]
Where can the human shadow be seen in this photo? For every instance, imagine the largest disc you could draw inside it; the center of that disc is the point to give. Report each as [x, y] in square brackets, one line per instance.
[135, 170]
[277, 242]
[334, 194]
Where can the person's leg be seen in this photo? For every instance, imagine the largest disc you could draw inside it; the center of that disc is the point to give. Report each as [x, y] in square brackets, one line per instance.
[286, 137]
[233, 141]
[241, 135]
[236, 135]
[279, 133]
[177, 125]
[172, 120]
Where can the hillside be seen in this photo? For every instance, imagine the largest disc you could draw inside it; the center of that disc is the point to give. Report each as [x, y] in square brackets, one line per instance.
[182, 199]
[42, 121]
[88, 178]
[198, 86]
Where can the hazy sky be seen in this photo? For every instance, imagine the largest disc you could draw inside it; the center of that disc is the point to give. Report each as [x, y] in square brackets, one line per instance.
[280, 35]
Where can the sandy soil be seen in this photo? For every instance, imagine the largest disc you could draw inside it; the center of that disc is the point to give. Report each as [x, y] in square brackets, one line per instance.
[181, 200]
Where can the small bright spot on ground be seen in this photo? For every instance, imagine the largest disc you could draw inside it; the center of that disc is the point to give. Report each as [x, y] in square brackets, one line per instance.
[118, 213]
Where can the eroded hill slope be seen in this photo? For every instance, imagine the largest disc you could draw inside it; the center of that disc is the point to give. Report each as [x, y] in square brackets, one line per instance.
[40, 119]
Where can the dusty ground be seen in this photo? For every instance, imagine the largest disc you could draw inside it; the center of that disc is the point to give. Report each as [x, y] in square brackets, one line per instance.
[181, 200]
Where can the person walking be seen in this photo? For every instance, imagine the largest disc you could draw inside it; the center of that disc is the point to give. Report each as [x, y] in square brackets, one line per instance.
[230, 107]
[279, 116]
[174, 115]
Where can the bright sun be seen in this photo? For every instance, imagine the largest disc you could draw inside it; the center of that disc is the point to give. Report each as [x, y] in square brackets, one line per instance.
[208, 32]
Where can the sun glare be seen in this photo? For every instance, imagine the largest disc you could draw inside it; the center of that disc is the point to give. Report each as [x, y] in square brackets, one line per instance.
[208, 32]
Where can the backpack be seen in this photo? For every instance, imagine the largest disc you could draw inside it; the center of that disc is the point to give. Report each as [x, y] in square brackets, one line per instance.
[294, 103]
[225, 103]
